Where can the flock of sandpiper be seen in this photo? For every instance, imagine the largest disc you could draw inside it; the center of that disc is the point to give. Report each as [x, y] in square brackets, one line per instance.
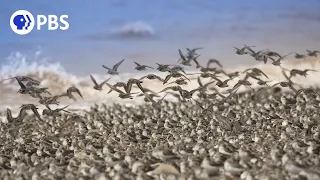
[31, 87]
[251, 135]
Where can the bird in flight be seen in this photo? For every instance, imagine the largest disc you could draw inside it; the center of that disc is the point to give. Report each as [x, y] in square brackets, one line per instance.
[71, 90]
[122, 95]
[31, 107]
[243, 51]
[97, 86]
[152, 77]
[211, 61]
[114, 70]
[140, 67]
[24, 78]
[313, 53]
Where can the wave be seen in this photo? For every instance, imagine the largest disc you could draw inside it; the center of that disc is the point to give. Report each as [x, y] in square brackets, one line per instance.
[57, 79]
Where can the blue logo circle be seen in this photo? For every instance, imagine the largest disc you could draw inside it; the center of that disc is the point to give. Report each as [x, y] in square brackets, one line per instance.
[22, 22]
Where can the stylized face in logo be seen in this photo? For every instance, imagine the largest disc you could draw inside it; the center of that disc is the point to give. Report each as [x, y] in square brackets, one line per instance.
[22, 22]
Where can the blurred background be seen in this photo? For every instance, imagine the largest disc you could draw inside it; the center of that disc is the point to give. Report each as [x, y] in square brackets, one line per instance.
[104, 32]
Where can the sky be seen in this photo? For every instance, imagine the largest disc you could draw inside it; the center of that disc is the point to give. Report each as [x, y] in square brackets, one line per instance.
[106, 31]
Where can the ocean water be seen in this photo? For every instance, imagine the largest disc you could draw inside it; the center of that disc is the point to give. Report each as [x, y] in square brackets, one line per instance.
[57, 79]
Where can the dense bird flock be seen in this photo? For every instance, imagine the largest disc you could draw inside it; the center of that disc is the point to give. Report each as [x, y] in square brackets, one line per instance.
[262, 133]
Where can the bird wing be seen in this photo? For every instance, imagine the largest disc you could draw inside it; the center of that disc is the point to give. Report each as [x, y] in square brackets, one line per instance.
[233, 92]
[207, 84]
[219, 64]
[183, 71]
[293, 88]
[167, 78]
[66, 111]
[277, 54]
[150, 98]
[215, 78]
[105, 81]
[196, 61]
[249, 69]
[33, 80]
[276, 84]
[272, 59]
[45, 90]
[109, 91]
[195, 49]
[159, 78]
[263, 74]
[35, 111]
[185, 77]
[115, 89]
[299, 92]
[106, 67]
[121, 84]
[78, 91]
[306, 70]
[128, 87]
[214, 61]
[48, 107]
[199, 82]
[182, 56]
[236, 86]
[199, 104]
[137, 63]
[194, 90]
[249, 48]
[217, 92]
[172, 82]
[163, 97]
[63, 94]
[285, 75]
[21, 84]
[22, 113]
[167, 88]
[39, 96]
[143, 77]
[31, 83]
[9, 115]
[236, 48]
[115, 67]
[61, 109]
[246, 77]
[140, 87]
[226, 81]
[286, 55]
[93, 80]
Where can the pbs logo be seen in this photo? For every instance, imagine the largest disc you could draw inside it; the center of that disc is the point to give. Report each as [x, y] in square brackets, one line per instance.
[22, 22]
